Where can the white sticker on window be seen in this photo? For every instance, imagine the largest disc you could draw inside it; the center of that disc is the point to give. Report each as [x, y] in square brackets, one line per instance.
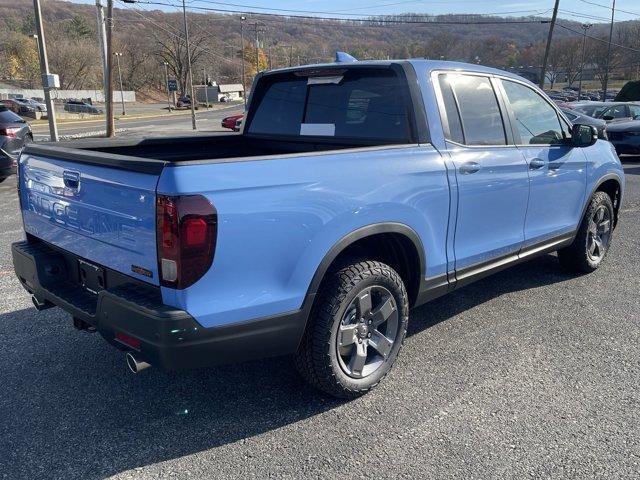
[318, 129]
[324, 80]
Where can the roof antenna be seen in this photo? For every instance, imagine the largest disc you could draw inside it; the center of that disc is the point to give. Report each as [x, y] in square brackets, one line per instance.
[342, 57]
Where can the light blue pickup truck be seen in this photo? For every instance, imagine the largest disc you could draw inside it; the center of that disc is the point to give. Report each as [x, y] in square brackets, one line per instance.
[354, 192]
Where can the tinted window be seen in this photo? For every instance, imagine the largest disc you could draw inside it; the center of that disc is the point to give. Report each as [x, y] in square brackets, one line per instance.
[536, 121]
[451, 109]
[591, 110]
[617, 111]
[479, 111]
[357, 104]
[635, 110]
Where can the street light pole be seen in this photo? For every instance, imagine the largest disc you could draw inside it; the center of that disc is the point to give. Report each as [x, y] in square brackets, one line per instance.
[186, 37]
[585, 27]
[44, 72]
[206, 87]
[118, 55]
[244, 87]
[257, 50]
[606, 71]
[166, 77]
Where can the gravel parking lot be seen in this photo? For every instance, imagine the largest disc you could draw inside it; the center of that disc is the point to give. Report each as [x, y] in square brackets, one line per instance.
[529, 373]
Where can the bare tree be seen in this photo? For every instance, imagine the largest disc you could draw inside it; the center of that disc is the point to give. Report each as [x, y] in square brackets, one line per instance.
[172, 49]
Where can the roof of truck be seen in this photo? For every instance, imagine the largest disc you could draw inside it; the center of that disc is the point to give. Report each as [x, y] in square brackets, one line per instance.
[418, 64]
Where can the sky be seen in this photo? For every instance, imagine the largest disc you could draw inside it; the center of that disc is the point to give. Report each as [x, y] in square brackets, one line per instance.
[589, 11]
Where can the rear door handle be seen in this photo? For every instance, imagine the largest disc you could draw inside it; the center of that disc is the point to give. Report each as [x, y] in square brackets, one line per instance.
[536, 163]
[469, 167]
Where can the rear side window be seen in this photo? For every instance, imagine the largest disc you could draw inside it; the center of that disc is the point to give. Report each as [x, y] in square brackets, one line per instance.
[365, 104]
[451, 110]
[477, 104]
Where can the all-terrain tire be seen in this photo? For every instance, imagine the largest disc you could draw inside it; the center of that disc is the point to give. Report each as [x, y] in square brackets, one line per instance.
[578, 257]
[319, 358]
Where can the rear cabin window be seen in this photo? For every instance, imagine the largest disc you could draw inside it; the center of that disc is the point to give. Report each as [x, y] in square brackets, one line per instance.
[363, 104]
[479, 115]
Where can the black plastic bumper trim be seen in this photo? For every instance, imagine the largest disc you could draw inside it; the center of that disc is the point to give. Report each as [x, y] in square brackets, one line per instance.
[170, 338]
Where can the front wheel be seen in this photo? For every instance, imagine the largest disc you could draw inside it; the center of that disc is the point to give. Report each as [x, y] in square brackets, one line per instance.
[592, 241]
[356, 329]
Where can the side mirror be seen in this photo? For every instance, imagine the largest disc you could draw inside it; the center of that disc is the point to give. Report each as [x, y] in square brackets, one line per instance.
[608, 117]
[636, 117]
[583, 135]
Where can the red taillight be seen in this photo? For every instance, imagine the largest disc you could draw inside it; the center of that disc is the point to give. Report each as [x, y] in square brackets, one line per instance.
[186, 229]
[9, 132]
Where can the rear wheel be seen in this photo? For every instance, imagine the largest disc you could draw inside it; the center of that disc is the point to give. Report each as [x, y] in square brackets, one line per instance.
[355, 331]
[592, 241]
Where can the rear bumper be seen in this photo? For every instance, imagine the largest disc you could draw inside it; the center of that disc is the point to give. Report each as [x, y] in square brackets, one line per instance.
[170, 338]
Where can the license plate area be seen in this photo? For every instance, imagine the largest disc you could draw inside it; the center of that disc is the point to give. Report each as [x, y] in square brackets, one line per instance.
[91, 277]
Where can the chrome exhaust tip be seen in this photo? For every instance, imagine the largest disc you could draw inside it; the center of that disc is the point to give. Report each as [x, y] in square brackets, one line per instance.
[40, 304]
[135, 365]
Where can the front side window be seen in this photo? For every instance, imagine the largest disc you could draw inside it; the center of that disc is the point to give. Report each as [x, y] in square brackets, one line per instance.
[617, 111]
[478, 107]
[537, 122]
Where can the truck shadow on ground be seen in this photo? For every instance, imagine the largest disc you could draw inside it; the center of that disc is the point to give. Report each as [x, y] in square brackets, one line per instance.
[71, 410]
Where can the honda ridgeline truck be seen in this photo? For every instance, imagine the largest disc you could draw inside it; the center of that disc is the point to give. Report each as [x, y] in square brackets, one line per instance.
[354, 192]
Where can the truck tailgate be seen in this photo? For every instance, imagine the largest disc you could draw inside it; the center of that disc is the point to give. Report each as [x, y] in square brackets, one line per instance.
[103, 214]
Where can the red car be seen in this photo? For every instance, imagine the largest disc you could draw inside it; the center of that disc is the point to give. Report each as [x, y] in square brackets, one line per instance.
[232, 122]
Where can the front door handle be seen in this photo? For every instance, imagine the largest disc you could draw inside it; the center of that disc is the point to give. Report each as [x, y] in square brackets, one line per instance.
[536, 163]
[469, 167]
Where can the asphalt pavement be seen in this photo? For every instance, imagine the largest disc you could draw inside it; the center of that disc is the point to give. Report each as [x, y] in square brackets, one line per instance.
[531, 373]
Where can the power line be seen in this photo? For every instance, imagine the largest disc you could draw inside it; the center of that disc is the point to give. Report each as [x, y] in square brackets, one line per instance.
[601, 40]
[181, 37]
[339, 12]
[637, 14]
[364, 20]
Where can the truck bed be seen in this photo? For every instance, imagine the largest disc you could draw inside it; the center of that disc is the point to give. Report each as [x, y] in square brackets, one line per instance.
[151, 155]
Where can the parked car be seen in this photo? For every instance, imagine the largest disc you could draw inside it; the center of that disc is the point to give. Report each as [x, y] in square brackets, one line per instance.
[231, 122]
[185, 102]
[625, 136]
[608, 111]
[314, 231]
[28, 102]
[576, 117]
[14, 133]
[79, 106]
[18, 106]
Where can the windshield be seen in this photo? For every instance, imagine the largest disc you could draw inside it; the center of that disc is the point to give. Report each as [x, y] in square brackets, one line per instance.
[364, 104]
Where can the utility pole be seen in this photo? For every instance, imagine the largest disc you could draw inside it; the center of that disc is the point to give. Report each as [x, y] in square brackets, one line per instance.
[606, 71]
[102, 39]
[186, 38]
[166, 77]
[547, 49]
[244, 88]
[585, 27]
[270, 59]
[291, 55]
[118, 55]
[111, 127]
[44, 72]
